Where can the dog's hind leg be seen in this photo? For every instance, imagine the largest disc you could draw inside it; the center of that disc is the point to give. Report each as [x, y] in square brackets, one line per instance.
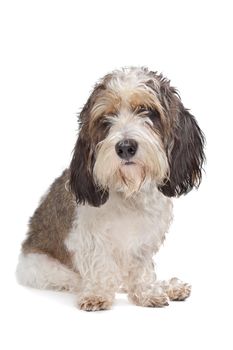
[41, 271]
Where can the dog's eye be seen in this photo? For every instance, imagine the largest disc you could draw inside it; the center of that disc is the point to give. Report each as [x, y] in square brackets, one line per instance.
[153, 114]
[141, 109]
[105, 124]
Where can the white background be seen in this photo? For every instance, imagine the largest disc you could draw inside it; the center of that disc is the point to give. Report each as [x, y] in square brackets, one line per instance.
[52, 52]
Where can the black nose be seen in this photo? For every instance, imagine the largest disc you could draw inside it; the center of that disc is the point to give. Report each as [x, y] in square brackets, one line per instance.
[126, 148]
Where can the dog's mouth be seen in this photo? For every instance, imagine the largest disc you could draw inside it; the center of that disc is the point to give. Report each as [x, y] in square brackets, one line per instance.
[128, 162]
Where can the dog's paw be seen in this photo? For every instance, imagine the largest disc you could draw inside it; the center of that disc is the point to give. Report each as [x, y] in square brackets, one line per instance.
[156, 301]
[178, 290]
[149, 300]
[94, 303]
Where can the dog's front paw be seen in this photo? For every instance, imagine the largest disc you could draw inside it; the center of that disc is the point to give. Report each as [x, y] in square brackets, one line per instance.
[178, 290]
[94, 303]
[156, 301]
[149, 299]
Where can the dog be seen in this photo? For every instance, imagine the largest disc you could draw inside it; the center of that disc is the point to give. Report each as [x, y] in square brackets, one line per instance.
[98, 227]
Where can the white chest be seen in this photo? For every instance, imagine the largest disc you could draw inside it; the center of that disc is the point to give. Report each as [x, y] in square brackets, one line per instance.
[120, 226]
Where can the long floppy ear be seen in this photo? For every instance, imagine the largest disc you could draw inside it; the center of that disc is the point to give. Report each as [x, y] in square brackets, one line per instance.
[185, 154]
[82, 182]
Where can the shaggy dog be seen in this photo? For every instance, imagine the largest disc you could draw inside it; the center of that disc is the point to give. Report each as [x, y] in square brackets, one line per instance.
[96, 230]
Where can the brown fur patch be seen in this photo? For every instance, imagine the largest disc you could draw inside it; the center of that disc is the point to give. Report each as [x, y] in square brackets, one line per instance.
[143, 98]
[106, 104]
[51, 222]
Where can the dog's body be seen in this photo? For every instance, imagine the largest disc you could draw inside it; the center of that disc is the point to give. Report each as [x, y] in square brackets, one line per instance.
[102, 221]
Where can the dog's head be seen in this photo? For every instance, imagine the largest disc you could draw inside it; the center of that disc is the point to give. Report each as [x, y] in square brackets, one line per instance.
[134, 132]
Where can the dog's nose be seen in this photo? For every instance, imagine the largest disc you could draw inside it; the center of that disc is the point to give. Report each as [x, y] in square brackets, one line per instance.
[126, 149]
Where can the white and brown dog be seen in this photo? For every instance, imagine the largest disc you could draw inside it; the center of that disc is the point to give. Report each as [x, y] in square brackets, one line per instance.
[97, 229]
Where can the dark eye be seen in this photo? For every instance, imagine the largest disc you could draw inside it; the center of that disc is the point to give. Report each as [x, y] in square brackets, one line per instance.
[153, 114]
[141, 109]
[104, 125]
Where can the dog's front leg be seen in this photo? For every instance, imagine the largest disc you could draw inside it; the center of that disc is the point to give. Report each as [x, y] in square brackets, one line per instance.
[99, 277]
[143, 289]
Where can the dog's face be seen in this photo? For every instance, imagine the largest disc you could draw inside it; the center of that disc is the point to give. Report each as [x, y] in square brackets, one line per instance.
[134, 132]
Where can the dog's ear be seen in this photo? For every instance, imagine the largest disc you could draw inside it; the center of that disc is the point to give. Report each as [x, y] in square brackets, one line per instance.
[82, 182]
[184, 143]
[185, 154]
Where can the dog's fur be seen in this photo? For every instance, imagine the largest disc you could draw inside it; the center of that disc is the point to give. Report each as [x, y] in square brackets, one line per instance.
[102, 221]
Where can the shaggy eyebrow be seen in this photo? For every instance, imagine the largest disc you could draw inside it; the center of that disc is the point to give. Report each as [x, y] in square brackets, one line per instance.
[145, 109]
[138, 107]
